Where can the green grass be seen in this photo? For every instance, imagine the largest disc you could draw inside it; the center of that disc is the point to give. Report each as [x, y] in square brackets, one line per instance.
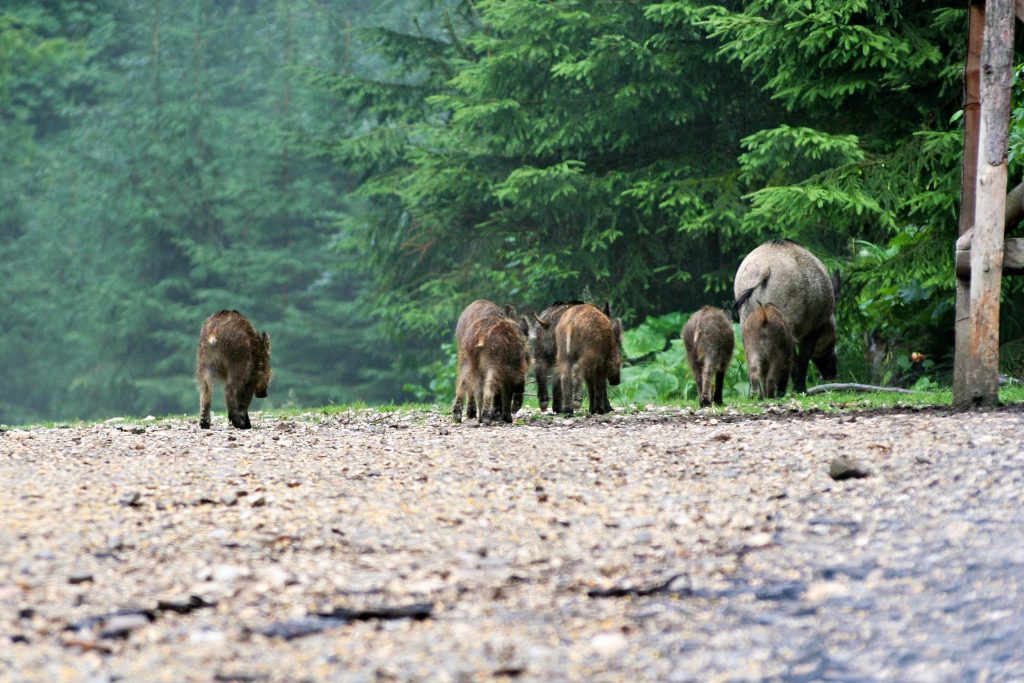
[831, 402]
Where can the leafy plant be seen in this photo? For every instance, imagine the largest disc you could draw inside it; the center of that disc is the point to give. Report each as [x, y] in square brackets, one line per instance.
[657, 370]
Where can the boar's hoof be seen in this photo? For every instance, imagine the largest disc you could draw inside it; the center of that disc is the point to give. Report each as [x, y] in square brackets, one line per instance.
[457, 413]
[543, 405]
[506, 417]
[204, 423]
[486, 417]
[471, 411]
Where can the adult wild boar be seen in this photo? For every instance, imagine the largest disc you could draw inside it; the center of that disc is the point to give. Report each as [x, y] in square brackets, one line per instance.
[783, 273]
[589, 346]
[544, 352]
[768, 343]
[492, 359]
[709, 341]
[231, 351]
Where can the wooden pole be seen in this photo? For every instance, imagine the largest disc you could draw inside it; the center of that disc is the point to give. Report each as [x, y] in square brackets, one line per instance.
[972, 124]
[990, 205]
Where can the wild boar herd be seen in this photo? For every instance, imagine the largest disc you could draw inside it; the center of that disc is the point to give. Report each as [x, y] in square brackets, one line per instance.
[786, 304]
[577, 339]
[783, 295]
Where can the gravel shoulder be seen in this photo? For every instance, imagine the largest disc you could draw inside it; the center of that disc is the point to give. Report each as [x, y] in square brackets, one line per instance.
[666, 545]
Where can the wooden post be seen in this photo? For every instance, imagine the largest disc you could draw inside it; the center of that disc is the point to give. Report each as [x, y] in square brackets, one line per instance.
[972, 123]
[982, 362]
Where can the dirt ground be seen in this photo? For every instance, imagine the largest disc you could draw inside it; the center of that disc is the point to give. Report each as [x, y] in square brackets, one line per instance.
[665, 545]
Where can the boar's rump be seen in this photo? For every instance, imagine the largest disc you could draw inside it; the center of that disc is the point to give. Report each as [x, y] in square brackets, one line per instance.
[231, 351]
[768, 343]
[589, 346]
[792, 279]
[709, 342]
[543, 350]
[492, 363]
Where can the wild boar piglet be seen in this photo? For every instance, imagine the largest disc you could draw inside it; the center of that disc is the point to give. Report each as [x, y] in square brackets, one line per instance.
[231, 351]
[589, 346]
[492, 363]
[709, 341]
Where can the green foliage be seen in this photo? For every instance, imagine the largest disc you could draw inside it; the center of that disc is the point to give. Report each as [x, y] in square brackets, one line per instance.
[440, 379]
[352, 174]
[638, 150]
[658, 372]
[162, 170]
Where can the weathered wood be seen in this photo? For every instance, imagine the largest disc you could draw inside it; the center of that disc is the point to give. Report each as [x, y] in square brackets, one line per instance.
[972, 124]
[1014, 205]
[1013, 258]
[822, 388]
[989, 207]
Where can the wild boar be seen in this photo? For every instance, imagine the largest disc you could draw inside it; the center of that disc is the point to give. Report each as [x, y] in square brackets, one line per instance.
[231, 351]
[709, 341]
[783, 273]
[543, 350]
[768, 342]
[493, 360]
[589, 346]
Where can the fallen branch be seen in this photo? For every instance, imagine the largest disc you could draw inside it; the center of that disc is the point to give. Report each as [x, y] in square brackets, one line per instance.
[822, 388]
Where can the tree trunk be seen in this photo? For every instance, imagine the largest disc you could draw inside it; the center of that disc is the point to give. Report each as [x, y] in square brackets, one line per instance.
[972, 124]
[990, 207]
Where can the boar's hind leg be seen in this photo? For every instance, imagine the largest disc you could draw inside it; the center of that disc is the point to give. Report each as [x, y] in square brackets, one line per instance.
[507, 403]
[205, 395]
[238, 406]
[705, 386]
[698, 375]
[601, 391]
[719, 381]
[517, 397]
[485, 406]
[593, 394]
[565, 379]
[483, 416]
[540, 372]
[461, 389]
[802, 361]
[557, 404]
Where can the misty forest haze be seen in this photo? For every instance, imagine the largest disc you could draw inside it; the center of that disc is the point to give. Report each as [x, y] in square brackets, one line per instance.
[350, 174]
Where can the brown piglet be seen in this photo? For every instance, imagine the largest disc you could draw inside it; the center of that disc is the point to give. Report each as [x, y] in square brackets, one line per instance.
[589, 346]
[231, 351]
[709, 341]
[544, 352]
[769, 346]
[492, 363]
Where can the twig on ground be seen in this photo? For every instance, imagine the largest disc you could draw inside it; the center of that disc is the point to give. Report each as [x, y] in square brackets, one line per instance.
[822, 388]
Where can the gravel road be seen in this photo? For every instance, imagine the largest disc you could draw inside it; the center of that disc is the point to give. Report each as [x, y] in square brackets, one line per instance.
[664, 545]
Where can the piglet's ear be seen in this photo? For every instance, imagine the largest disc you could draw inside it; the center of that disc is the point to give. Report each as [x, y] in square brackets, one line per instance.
[524, 325]
[510, 311]
[540, 321]
[607, 309]
[266, 341]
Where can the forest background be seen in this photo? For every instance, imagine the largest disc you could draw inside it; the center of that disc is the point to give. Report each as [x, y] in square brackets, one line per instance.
[351, 173]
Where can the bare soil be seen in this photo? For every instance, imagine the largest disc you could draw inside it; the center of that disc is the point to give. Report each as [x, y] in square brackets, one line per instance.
[666, 545]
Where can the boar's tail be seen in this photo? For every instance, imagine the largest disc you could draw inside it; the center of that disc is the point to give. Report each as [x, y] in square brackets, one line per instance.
[746, 293]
